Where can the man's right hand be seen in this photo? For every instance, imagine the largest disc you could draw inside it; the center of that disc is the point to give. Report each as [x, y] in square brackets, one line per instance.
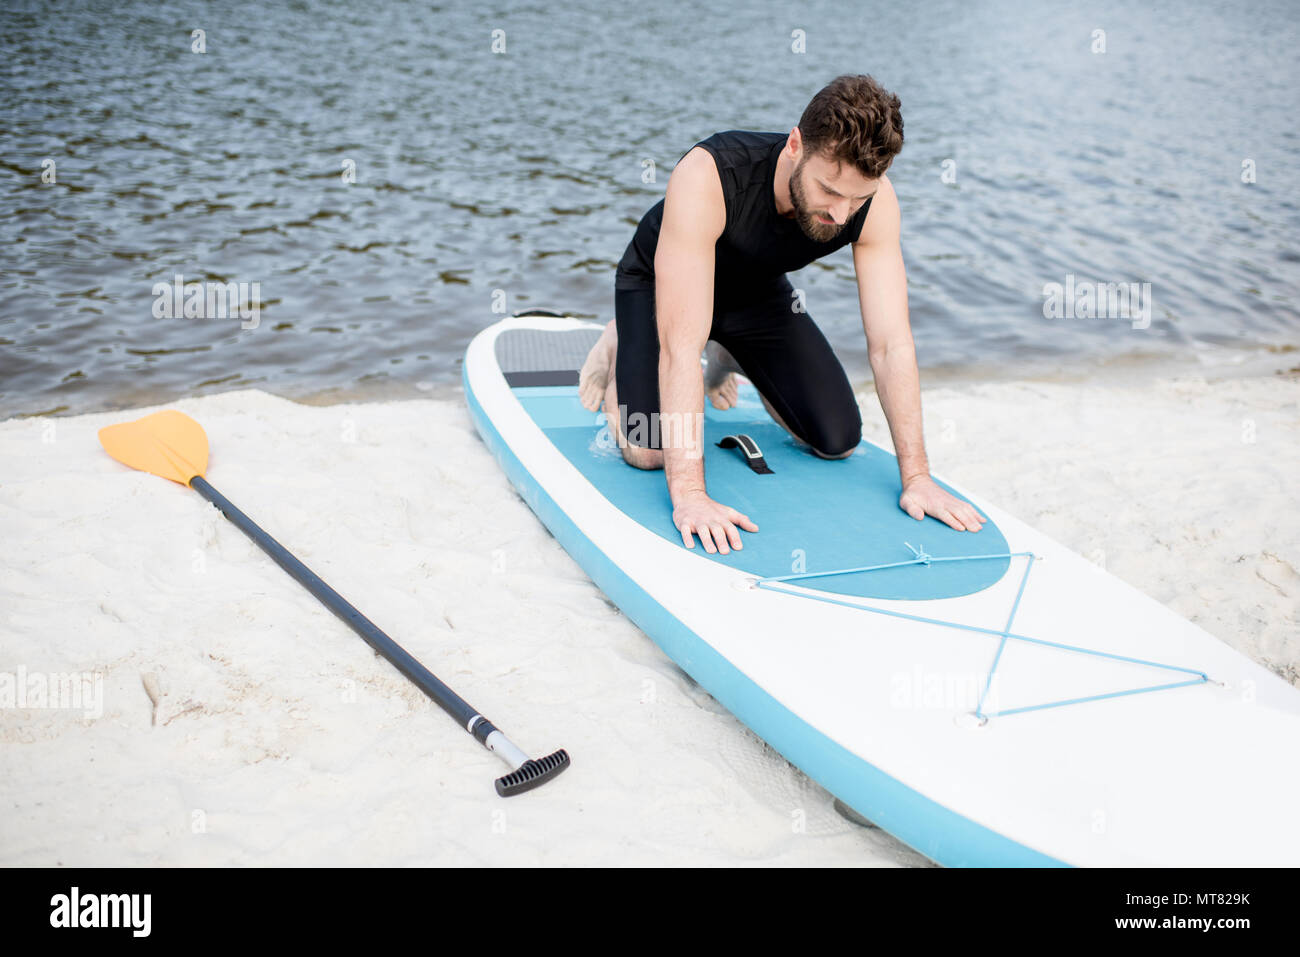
[697, 514]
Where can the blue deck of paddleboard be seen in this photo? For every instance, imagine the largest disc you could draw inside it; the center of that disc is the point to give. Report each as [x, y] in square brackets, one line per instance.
[813, 514]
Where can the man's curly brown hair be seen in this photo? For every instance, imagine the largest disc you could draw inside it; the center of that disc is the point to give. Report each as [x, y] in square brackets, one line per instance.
[853, 119]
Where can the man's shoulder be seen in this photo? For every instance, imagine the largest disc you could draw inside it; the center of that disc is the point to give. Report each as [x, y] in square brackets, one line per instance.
[740, 159]
[743, 142]
[881, 218]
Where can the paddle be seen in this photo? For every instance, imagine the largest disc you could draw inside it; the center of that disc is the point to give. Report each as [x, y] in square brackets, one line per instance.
[172, 445]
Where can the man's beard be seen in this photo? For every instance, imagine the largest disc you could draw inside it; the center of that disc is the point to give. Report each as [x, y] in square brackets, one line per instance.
[805, 217]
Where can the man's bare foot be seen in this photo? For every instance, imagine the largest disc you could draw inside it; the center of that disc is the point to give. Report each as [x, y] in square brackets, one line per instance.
[595, 372]
[719, 376]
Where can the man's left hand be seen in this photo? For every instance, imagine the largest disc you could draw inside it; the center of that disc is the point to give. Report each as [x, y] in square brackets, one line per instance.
[922, 496]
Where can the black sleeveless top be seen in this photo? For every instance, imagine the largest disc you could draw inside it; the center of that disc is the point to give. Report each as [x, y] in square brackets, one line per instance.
[758, 246]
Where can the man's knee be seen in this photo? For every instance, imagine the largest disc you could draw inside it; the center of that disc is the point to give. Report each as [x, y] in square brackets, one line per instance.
[838, 440]
[636, 455]
[834, 455]
[641, 458]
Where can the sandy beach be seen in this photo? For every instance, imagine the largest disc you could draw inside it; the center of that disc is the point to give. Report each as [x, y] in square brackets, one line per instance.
[241, 724]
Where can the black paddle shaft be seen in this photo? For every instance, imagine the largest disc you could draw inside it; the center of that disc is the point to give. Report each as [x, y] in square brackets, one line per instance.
[442, 696]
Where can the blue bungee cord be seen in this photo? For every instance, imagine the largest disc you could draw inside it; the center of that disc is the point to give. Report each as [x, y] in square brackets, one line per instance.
[921, 557]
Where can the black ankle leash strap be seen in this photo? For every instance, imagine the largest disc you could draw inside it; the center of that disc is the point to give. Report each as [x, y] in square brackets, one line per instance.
[749, 449]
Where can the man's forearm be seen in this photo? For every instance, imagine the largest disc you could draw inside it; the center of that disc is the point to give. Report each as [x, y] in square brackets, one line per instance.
[898, 383]
[681, 404]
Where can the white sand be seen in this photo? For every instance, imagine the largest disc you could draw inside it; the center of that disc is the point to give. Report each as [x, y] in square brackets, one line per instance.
[279, 738]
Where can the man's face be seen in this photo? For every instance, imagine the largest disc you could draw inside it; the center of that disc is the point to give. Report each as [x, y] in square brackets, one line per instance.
[826, 195]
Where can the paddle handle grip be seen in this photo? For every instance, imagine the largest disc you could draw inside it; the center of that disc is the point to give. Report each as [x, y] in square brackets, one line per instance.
[425, 680]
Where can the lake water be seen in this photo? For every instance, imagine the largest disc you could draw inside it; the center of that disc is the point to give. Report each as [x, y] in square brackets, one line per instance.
[501, 155]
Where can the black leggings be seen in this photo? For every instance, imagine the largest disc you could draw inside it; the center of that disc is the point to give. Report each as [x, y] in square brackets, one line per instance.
[779, 349]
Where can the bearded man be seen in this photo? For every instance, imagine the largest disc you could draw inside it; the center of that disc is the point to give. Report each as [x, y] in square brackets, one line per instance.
[705, 272]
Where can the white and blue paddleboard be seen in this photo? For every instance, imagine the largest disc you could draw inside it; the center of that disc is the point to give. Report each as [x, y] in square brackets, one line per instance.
[988, 698]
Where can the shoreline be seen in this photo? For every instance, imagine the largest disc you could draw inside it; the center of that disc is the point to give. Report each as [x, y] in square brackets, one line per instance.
[1215, 363]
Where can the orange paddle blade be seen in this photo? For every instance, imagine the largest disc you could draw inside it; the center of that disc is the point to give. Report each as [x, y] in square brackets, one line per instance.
[167, 443]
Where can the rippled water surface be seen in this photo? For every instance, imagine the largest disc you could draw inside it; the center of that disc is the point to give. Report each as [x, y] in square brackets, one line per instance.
[502, 180]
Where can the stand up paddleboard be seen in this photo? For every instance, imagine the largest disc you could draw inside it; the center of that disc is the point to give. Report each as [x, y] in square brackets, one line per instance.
[988, 698]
